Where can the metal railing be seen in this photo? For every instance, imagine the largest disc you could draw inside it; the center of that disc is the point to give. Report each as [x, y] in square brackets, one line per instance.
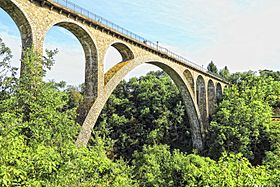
[111, 25]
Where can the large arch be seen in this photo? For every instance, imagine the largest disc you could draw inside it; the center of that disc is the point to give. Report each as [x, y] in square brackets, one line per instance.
[211, 97]
[91, 57]
[23, 25]
[117, 73]
[91, 63]
[201, 100]
[21, 21]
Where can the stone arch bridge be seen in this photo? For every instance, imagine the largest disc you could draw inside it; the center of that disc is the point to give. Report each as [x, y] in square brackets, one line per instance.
[200, 90]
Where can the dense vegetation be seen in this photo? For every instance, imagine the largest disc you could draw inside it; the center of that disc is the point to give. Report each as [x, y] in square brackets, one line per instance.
[145, 111]
[142, 137]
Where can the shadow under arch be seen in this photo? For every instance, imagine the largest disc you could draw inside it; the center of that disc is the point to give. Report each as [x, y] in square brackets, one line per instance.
[211, 97]
[91, 56]
[114, 77]
[22, 23]
[201, 100]
[219, 92]
[124, 50]
[189, 78]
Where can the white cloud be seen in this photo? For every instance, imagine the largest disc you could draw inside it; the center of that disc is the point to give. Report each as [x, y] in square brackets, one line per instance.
[241, 36]
[14, 43]
[69, 64]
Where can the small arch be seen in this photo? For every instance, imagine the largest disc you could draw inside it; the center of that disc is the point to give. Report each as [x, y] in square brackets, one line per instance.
[91, 56]
[201, 100]
[219, 91]
[116, 56]
[189, 78]
[124, 50]
[211, 97]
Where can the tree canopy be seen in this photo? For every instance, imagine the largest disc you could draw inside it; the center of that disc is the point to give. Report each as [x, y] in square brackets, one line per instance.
[212, 68]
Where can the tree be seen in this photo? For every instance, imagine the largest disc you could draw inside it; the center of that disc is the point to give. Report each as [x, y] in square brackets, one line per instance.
[145, 110]
[224, 73]
[7, 72]
[269, 73]
[272, 157]
[212, 68]
[37, 135]
[158, 166]
[275, 75]
[5, 57]
[244, 116]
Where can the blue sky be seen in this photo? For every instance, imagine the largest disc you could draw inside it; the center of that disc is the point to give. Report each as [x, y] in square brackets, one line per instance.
[242, 34]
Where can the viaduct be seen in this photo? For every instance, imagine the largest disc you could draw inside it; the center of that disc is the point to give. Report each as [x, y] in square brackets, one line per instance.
[200, 89]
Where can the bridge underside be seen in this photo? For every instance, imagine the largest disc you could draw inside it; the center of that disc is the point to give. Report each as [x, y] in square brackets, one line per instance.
[199, 89]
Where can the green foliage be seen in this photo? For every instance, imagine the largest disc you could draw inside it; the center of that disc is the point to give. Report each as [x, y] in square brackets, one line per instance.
[224, 73]
[37, 135]
[244, 117]
[7, 72]
[36, 106]
[40, 165]
[146, 110]
[272, 158]
[275, 75]
[212, 68]
[157, 166]
[75, 96]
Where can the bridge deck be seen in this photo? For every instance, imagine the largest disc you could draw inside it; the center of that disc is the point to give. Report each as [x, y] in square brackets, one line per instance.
[65, 6]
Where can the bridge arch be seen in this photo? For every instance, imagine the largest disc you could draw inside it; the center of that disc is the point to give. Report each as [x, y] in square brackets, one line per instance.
[189, 78]
[90, 52]
[116, 53]
[125, 51]
[201, 99]
[114, 76]
[219, 91]
[211, 97]
[22, 22]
